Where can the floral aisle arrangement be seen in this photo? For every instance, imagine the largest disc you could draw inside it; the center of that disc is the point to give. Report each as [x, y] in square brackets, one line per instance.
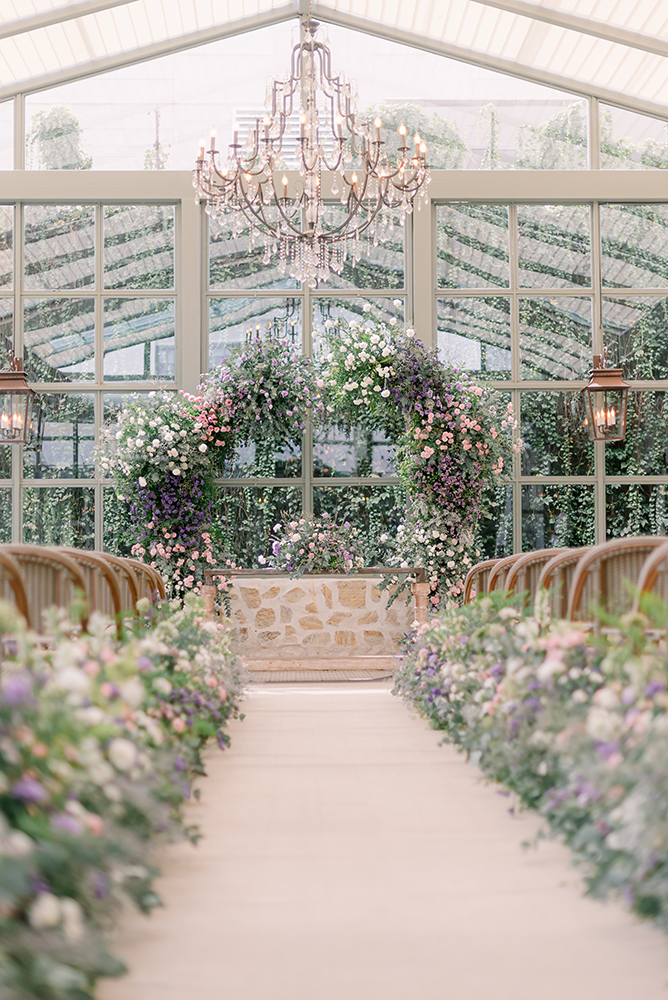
[313, 546]
[453, 438]
[165, 452]
[100, 743]
[575, 725]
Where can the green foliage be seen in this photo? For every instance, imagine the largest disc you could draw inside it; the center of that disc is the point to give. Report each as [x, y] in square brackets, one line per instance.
[54, 140]
[447, 148]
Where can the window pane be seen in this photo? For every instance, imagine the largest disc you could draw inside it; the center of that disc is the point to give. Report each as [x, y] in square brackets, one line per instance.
[139, 246]
[265, 460]
[246, 516]
[375, 510]
[494, 535]
[634, 246]
[380, 265]
[233, 322]
[474, 334]
[67, 447]
[357, 452]
[61, 515]
[636, 335]
[556, 516]
[234, 264]
[636, 509]
[6, 244]
[385, 310]
[555, 338]
[7, 135]
[632, 141]
[59, 247]
[555, 442]
[5, 516]
[5, 461]
[644, 452]
[113, 403]
[6, 330]
[472, 246]
[59, 339]
[139, 340]
[116, 527]
[554, 247]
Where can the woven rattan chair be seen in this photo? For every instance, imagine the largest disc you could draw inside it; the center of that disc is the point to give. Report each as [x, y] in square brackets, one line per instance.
[556, 577]
[477, 579]
[102, 587]
[11, 584]
[653, 577]
[127, 581]
[149, 580]
[602, 576]
[524, 574]
[499, 574]
[50, 578]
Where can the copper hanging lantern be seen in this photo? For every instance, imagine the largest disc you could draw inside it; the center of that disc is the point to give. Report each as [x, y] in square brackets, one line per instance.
[606, 399]
[18, 410]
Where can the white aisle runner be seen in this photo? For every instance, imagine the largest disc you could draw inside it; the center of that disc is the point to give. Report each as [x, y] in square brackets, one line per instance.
[346, 856]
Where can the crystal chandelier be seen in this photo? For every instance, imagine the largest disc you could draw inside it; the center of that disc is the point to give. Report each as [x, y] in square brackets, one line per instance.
[301, 231]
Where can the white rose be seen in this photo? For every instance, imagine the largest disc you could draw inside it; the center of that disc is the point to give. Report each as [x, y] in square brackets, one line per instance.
[605, 698]
[176, 472]
[261, 560]
[92, 716]
[122, 754]
[72, 679]
[44, 912]
[73, 925]
[142, 481]
[366, 307]
[133, 691]
[162, 685]
[602, 725]
[410, 333]
[202, 447]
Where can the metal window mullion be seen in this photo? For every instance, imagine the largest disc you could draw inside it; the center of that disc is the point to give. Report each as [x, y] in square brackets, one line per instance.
[19, 157]
[17, 452]
[513, 265]
[593, 134]
[597, 348]
[307, 437]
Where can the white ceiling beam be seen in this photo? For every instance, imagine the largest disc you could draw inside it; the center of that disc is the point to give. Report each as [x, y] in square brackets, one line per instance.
[497, 63]
[586, 25]
[55, 15]
[145, 53]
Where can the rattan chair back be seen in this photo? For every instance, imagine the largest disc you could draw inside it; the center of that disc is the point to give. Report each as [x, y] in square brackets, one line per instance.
[603, 575]
[150, 582]
[499, 573]
[126, 579]
[50, 578]
[11, 585]
[524, 574]
[101, 584]
[556, 577]
[653, 577]
[477, 579]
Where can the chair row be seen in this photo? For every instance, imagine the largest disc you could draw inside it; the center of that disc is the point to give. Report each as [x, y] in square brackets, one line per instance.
[611, 576]
[35, 578]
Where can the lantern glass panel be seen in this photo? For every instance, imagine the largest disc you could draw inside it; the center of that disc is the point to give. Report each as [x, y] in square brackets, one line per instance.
[15, 411]
[606, 414]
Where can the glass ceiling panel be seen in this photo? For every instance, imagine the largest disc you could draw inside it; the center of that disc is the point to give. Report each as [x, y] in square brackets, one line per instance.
[150, 116]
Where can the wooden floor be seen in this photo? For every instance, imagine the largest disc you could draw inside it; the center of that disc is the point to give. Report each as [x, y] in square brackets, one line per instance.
[347, 856]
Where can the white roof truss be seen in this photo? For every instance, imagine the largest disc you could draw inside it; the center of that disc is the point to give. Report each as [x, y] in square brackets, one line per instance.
[548, 45]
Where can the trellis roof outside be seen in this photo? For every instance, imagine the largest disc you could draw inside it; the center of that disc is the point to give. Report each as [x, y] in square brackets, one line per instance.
[616, 50]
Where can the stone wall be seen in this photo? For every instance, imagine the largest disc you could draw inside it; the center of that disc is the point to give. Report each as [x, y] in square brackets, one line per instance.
[316, 616]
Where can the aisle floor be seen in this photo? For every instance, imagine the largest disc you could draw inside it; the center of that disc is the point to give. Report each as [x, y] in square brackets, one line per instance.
[348, 856]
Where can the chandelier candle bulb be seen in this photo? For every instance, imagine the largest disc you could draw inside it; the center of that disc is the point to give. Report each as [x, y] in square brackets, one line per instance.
[213, 140]
[284, 182]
